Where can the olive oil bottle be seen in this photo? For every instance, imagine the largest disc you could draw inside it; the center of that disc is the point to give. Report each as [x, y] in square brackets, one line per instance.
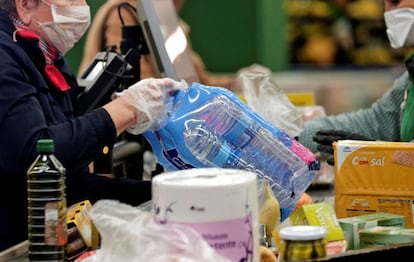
[47, 229]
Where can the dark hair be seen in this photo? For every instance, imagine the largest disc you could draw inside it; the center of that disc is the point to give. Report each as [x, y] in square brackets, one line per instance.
[8, 5]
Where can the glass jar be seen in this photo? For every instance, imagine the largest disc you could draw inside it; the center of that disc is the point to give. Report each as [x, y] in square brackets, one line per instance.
[302, 242]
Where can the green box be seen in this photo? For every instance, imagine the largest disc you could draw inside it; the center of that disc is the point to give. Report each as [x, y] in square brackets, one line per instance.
[380, 236]
[319, 214]
[351, 226]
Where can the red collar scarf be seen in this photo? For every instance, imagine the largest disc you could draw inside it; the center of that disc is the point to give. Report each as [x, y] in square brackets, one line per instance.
[52, 73]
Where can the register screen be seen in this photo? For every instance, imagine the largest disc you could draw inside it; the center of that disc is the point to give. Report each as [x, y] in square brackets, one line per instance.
[166, 39]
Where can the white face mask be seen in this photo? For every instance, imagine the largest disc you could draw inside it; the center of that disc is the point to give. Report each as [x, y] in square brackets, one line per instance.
[400, 27]
[68, 26]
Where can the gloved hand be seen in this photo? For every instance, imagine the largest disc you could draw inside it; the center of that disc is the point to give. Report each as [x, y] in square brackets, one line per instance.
[152, 98]
[325, 138]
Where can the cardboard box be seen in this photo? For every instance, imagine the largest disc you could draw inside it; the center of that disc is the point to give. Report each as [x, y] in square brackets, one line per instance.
[352, 225]
[319, 214]
[384, 236]
[372, 177]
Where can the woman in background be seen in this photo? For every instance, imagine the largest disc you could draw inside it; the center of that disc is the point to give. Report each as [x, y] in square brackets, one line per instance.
[105, 32]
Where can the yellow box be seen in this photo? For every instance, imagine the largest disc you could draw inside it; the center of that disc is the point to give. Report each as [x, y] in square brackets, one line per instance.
[82, 233]
[373, 176]
[319, 214]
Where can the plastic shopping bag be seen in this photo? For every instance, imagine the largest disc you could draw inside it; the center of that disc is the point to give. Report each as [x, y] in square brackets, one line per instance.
[129, 234]
[265, 97]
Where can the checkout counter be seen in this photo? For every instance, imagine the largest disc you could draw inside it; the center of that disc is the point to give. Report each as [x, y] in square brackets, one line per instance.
[17, 253]
[399, 252]
[323, 192]
[336, 92]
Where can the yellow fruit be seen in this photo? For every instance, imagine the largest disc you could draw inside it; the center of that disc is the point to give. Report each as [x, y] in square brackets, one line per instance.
[269, 213]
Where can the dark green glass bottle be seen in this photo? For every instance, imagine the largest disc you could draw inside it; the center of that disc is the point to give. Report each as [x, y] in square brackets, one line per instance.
[47, 228]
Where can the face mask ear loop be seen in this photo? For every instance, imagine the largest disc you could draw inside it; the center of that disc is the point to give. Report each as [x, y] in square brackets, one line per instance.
[14, 35]
[44, 23]
[49, 4]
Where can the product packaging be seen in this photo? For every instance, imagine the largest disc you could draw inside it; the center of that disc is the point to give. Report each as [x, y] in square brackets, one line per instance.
[220, 204]
[319, 214]
[380, 236]
[82, 233]
[352, 225]
[212, 127]
[374, 176]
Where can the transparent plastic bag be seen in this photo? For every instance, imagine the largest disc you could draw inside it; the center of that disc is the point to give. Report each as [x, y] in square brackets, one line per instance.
[264, 96]
[130, 234]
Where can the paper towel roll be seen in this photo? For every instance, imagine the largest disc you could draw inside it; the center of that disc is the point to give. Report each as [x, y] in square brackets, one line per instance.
[221, 204]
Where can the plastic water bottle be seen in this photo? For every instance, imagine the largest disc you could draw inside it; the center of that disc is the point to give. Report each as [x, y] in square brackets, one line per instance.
[47, 226]
[221, 134]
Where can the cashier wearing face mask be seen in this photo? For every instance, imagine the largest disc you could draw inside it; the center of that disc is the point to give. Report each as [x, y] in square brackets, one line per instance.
[66, 26]
[400, 30]
[400, 26]
[390, 118]
[37, 100]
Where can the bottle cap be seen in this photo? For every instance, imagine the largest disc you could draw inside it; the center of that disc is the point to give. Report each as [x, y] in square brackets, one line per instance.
[302, 233]
[45, 145]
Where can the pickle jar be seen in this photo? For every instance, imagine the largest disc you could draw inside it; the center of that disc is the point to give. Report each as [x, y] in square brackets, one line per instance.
[302, 242]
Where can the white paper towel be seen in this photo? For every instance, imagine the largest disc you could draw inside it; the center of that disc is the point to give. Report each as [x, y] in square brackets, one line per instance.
[221, 204]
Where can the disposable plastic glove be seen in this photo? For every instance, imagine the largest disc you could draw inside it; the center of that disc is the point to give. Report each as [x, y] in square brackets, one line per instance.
[325, 138]
[153, 100]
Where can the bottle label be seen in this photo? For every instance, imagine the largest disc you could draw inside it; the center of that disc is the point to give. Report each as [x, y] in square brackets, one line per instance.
[174, 158]
[55, 223]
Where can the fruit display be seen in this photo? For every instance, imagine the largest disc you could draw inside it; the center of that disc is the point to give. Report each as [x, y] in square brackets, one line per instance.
[338, 33]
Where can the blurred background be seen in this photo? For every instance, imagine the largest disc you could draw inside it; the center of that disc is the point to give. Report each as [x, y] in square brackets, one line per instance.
[336, 49]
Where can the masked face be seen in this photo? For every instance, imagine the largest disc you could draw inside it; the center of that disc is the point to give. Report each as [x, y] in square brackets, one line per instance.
[400, 27]
[68, 26]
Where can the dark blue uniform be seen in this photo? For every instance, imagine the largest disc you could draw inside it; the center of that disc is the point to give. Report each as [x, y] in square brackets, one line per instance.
[31, 107]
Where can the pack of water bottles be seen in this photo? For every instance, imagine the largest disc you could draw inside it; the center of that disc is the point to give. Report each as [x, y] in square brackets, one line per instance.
[212, 127]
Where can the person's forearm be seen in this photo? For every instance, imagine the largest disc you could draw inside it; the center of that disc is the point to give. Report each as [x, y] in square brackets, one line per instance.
[123, 114]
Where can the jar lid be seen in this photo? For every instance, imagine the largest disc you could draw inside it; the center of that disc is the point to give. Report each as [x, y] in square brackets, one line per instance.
[304, 232]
